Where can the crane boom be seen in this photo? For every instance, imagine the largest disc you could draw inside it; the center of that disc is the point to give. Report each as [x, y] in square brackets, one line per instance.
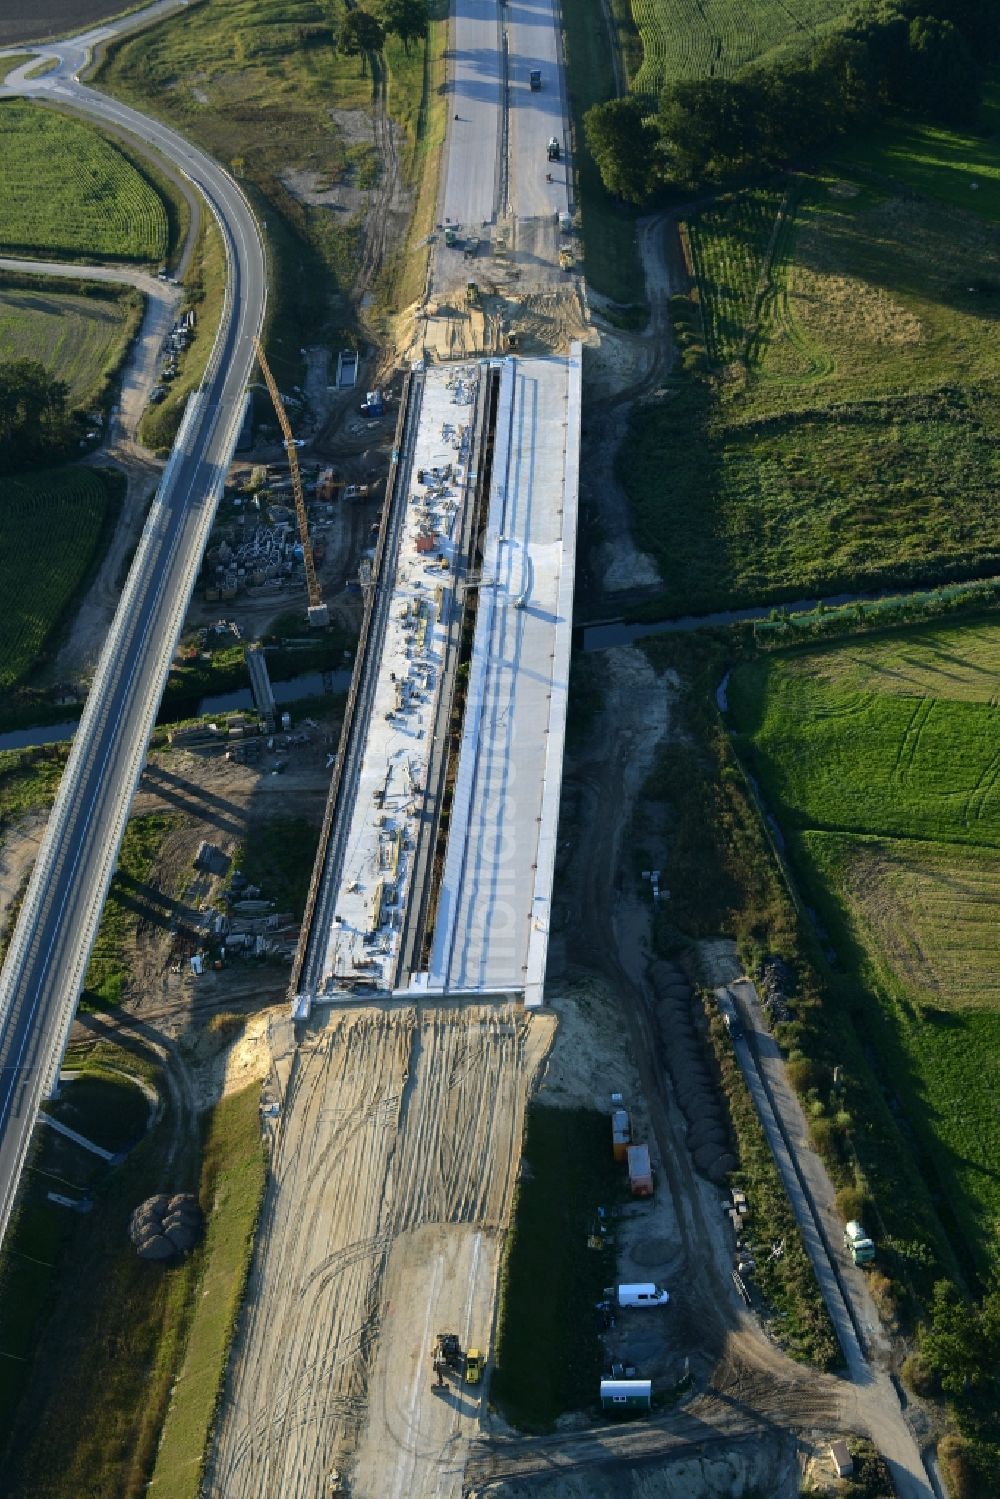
[317, 609]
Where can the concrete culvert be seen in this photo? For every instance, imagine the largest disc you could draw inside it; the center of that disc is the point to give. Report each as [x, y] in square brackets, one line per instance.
[721, 1167]
[156, 1248]
[706, 1132]
[691, 1081]
[695, 1106]
[663, 973]
[182, 1236]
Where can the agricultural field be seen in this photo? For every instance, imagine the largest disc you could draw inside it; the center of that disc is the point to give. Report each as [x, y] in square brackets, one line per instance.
[842, 431]
[53, 525]
[879, 760]
[81, 339]
[53, 18]
[715, 38]
[70, 194]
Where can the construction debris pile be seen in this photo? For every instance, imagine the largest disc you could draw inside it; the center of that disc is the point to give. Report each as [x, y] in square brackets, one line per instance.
[265, 555]
[165, 1226]
[777, 981]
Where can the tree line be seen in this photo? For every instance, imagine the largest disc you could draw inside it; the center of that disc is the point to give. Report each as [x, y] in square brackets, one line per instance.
[922, 56]
[36, 426]
[360, 32]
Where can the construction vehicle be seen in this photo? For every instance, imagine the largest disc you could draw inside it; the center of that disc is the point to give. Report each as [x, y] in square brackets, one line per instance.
[857, 1241]
[535, 80]
[448, 1352]
[475, 1362]
[317, 613]
[450, 235]
[565, 258]
[553, 149]
[471, 247]
[472, 294]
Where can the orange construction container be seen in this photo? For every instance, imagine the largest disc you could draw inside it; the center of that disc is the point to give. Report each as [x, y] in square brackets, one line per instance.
[621, 1134]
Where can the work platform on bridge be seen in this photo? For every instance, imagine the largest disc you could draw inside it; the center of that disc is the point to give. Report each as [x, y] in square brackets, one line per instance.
[477, 572]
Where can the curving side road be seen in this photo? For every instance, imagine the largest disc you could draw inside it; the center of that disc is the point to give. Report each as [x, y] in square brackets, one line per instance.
[43, 973]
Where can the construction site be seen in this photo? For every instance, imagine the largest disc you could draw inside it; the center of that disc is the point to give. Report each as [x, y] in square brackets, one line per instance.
[437, 857]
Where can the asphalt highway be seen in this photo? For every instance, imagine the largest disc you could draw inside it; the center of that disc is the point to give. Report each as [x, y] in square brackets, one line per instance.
[496, 159]
[43, 973]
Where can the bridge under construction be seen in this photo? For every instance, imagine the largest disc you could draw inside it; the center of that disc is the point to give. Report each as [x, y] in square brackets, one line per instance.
[435, 866]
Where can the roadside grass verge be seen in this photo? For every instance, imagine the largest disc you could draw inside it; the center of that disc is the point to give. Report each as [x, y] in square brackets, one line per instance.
[70, 193]
[878, 759]
[233, 1177]
[548, 1357]
[105, 1359]
[204, 292]
[54, 526]
[420, 103]
[841, 431]
[794, 1307]
[611, 256]
[133, 890]
[81, 335]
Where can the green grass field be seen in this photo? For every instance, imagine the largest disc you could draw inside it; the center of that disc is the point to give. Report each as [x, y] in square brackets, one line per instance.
[233, 1176]
[715, 38]
[81, 339]
[844, 432]
[69, 194]
[52, 528]
[957, 167]
[879, 760]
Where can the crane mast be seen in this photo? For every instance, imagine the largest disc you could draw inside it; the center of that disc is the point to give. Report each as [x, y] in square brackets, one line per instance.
[318, 612]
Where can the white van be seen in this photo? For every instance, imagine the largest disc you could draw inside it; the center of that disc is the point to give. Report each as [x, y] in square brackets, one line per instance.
[643, 1294]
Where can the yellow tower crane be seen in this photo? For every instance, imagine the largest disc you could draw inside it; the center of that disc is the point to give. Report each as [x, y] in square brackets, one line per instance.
[318, 612]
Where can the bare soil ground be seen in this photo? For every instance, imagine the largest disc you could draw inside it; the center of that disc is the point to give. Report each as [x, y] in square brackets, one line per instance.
[393, 1166]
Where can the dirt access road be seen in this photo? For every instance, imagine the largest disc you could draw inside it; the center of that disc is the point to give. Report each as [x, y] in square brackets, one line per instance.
[393, 1165]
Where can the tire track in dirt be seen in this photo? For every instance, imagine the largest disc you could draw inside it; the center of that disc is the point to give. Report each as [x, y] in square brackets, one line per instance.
[399, 1123]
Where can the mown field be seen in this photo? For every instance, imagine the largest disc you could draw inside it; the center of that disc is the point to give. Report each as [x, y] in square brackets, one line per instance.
[835, 424]
[52, 527]
[69, 194]
[81, 339]
[879, 759]
[715, 38]
[258, 83]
